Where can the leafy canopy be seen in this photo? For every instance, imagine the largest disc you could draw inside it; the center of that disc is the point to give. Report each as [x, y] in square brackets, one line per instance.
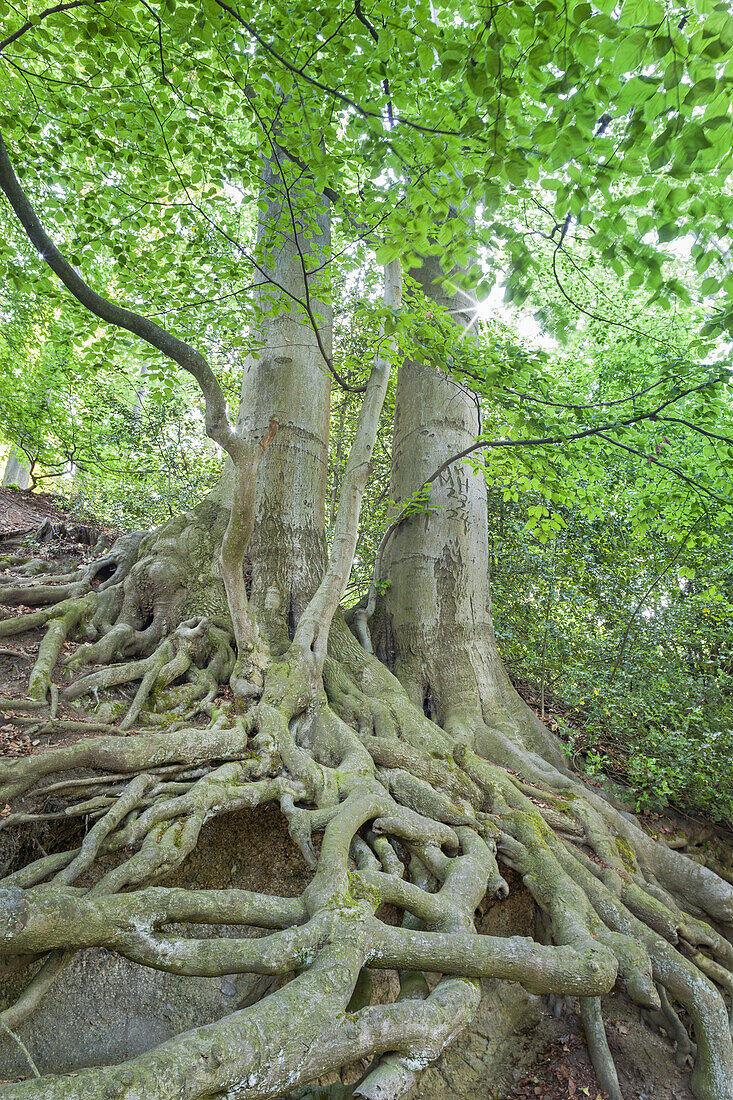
[141, 129]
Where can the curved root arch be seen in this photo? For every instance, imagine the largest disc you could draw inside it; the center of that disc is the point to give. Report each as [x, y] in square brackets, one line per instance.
[151, 610]
[407, 817]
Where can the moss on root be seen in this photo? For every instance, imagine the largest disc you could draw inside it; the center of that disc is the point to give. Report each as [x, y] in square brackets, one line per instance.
[388, 810]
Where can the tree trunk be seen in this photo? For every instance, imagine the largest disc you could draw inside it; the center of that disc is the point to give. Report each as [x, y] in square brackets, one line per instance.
[289, 382]
[436, 628]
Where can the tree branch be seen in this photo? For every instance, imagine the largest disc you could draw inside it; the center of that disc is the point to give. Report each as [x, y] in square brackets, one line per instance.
[314, 624]
[44, 15]
[664, 466]
[218, 427]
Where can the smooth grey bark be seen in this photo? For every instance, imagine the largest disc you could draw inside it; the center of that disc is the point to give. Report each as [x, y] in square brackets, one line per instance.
[436, 611]
[314, 627]
[16, 470]
[290, 383]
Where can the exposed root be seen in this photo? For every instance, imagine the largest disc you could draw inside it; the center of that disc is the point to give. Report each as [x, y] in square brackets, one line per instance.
[128, 755]
[600, 1055]
[19, 1042]
[129, 606]
[672, 1024]
[116, 565]
[192, 643]
[407, 816]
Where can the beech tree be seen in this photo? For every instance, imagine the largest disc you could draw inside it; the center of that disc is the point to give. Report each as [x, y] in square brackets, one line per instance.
[195, 176]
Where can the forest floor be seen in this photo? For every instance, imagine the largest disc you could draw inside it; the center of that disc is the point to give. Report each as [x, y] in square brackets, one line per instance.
[549, 1062]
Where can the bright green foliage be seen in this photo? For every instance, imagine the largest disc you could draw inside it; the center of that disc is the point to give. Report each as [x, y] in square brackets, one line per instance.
[622, 619]
[597, 123]
[156, 463]
[653, 707]
[125, 447]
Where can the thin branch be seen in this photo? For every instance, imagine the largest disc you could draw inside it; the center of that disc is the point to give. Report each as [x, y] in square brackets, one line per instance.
[490, 444]
[694, 428]
[333, 92]
[44, 15]
[375, 36]
[654, 583]
[575, 407]
[672, 469]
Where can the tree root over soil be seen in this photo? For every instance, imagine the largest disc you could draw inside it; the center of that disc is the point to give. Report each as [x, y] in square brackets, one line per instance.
[387, 809]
